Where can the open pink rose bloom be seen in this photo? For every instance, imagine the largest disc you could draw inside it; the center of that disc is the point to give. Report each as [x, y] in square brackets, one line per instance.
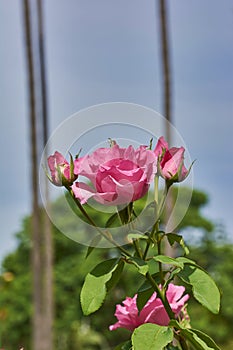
[153, 312]
[117, 175]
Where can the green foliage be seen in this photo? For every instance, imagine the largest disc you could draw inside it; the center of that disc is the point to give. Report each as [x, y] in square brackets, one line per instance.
[173, 237]
[204, 288]
[124, 346]
[198, 339]
[72, 331]
[140, 264]
[205, 338]
[15, 309]
[216, 257]
[151, 336]
[169, 261]
[94, 292]
[98, 282]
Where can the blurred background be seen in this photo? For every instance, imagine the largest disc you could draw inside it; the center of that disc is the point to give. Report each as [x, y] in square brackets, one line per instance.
[59, 57]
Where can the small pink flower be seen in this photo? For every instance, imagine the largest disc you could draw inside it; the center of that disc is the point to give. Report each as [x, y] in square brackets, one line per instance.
[118, 175]
[60, 170]
[170, 162]
[153, 312]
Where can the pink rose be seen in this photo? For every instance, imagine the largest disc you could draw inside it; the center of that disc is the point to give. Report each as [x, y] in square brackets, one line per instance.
[118, 175]
[60, 169]
[170, 162]
[153, 312]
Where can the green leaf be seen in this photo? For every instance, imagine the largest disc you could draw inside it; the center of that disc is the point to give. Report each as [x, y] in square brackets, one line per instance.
[153, 267]
[124, 346]
[171, 276]
[95, 241]
[143, 297]
[173, 237]
[116, 274]
[151, 336]
[204, 288]
[209, 341]
[94, 289]
[136, 235]
[169, 261]
[185, 260]
[105, 267]
[198, 339]
[140, 264]
[93, 293]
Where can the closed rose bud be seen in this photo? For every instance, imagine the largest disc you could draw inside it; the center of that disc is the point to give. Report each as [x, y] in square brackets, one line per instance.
[170, 162]
[62, 172]
[171, 167]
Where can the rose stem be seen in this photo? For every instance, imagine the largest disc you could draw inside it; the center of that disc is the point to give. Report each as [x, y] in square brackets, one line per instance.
[161, 296]
[108, 237]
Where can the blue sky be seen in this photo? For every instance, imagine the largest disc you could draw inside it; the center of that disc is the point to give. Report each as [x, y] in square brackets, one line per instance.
[104, 51]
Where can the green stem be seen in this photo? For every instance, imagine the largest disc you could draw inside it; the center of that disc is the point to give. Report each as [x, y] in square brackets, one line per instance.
[156, 190]
[183, 343]
[107, 234]
[158, 210]
[160, 264]
[156, 199]
[161, 296]
[180, 339]
[161, 205]
[137, 248]
[156, 226]
[146, 249]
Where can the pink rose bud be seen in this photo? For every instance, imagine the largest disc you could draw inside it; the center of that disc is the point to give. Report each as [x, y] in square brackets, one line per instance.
[62, 172]
[153, 312]
[118, 175]
[171, 167]
[170, 162]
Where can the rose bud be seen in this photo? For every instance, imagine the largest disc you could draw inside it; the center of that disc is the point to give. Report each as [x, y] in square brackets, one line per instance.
[62, 172]
[170, 162]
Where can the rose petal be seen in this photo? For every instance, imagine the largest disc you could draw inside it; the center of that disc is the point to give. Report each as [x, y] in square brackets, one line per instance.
[161, 145]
